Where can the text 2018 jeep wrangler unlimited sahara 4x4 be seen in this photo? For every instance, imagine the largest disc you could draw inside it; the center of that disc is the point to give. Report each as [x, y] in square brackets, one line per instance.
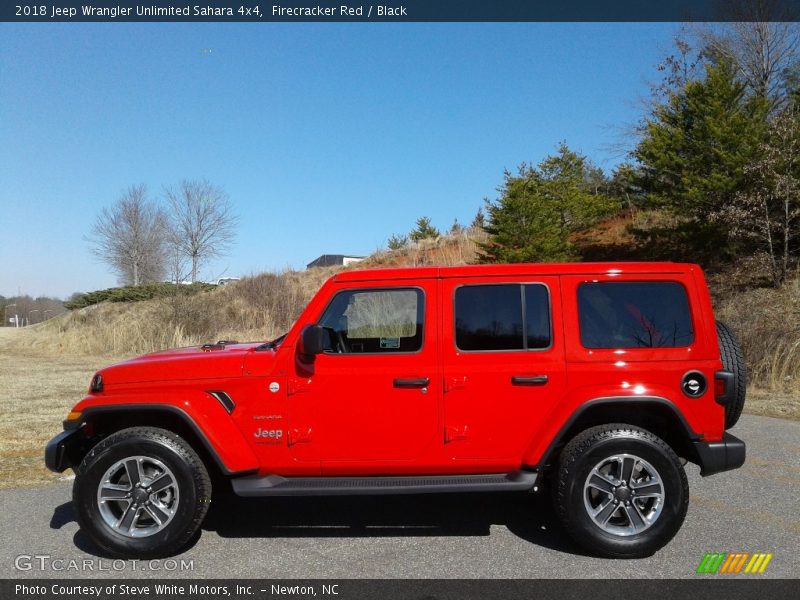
[591, 380]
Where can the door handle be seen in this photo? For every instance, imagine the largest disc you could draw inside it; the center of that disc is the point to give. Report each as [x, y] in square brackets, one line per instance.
[529, 380]
[415, 382]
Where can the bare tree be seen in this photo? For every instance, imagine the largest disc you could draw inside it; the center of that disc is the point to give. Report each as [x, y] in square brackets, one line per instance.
[768, 213]
[176, 261]
[203, 222]
[130, 237]
[681, 66]
[765, 52]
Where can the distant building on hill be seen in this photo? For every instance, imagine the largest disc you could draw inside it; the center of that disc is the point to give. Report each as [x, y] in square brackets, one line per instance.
[331, 260]
[226, 280]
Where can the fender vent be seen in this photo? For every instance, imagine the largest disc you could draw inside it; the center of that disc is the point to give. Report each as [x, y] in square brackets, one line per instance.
[224, 399]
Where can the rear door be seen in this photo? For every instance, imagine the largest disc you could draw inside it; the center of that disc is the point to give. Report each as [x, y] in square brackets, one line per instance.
[503, 365]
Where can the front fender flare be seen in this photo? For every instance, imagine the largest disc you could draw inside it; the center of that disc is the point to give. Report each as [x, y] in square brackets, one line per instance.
[226, 446]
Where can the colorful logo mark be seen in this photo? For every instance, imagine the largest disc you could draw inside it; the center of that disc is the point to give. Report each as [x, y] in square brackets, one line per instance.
[734, 562]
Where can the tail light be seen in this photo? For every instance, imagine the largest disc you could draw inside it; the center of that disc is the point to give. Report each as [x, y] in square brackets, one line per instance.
[723, 387]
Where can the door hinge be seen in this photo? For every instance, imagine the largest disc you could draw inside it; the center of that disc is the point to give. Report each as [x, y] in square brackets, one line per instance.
[298, 436]
[297, 386]
[455, 433]
[455, 383]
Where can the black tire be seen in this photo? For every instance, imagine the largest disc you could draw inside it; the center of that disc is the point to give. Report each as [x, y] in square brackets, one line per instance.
[192, 487]
[577, 461]
[733, 361]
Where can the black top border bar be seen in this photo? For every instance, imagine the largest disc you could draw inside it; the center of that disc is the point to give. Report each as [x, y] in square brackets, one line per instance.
[43, 11]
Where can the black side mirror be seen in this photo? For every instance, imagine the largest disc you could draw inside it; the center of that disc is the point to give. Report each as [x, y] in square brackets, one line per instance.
[312, 342]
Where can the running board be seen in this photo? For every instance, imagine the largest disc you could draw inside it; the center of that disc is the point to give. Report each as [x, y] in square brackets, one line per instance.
[275, 485]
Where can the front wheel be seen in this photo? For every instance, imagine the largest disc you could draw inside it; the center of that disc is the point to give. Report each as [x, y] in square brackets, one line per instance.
[141, 493]
[620, 491]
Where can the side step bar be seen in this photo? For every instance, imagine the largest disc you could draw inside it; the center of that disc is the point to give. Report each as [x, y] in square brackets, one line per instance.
[275, 485]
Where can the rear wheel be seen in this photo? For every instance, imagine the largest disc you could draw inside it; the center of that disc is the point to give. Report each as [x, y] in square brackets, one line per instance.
[141, 492]
[620, 491]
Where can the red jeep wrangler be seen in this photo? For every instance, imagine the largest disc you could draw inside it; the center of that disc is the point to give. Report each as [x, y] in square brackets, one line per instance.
[596, 381]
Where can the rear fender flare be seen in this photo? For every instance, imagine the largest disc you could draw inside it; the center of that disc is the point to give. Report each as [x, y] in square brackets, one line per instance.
[541, 454]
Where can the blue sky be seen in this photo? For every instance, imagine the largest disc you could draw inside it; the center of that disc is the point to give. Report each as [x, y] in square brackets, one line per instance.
[327, 137]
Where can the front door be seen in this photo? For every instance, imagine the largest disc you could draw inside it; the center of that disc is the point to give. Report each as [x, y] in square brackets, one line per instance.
[503, 366]
[375, 392]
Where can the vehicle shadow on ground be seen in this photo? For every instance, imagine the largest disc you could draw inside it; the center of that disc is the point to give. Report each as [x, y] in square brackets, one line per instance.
[527, 516]
[64, 514]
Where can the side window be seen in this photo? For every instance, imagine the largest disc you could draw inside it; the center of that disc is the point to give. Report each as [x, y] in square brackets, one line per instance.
[502, 317]
[375, 321]
[537, 317]
[646, 314]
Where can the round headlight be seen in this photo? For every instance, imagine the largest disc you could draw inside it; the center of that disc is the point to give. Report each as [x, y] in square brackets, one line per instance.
[97, 383]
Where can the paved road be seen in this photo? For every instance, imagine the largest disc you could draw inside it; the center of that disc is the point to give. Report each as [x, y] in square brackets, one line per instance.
[754, 509]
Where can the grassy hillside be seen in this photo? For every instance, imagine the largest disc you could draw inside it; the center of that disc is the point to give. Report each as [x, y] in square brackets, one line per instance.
[256, 308]
[766, 320]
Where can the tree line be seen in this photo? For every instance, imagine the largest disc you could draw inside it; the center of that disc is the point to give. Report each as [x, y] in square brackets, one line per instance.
[146, 240]
[26, 310]
[717, 151]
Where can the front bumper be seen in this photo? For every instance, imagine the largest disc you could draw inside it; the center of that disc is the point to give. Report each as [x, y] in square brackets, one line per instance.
[715, 457]
[64, 450]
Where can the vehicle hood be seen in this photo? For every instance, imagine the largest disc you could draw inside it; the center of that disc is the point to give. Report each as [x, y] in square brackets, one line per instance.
[196, 362]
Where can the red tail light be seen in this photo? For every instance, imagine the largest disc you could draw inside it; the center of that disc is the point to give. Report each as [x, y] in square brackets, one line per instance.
[723, 387]
[719, 387]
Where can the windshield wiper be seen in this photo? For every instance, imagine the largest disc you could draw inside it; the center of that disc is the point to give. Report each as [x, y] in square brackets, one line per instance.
[272, 344]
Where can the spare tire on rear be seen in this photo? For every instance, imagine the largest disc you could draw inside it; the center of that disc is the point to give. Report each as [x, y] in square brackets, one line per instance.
[733, 361]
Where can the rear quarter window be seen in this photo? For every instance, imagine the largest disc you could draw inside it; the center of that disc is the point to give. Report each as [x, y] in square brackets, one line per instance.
[646, 314]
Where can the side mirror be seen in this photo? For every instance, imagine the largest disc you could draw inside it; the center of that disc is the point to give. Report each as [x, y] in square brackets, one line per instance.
[312, 342]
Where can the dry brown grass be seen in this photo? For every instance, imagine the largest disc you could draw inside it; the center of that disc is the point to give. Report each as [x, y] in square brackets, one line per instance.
[255, 308]
[767, 323]
[39, 389]
[772, 403]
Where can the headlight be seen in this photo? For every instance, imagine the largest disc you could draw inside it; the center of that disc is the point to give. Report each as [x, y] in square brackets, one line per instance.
[97, 384]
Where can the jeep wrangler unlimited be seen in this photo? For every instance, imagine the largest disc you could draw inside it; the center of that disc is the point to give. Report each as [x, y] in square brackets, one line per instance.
[594, 381]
